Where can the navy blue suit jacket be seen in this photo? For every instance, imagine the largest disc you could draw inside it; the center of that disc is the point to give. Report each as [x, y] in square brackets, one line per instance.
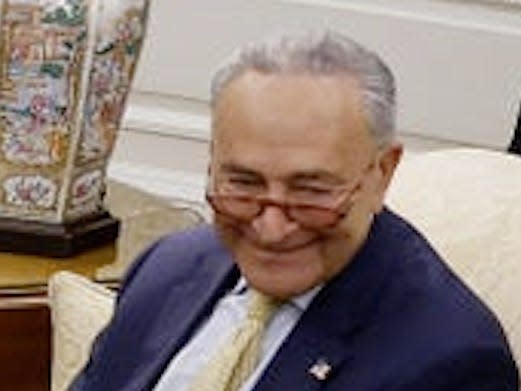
[395, 319]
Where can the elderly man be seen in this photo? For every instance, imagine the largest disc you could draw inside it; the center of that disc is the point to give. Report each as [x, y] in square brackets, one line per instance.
[305, 281]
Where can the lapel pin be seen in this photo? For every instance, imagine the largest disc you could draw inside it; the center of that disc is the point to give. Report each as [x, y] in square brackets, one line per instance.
[320, 370]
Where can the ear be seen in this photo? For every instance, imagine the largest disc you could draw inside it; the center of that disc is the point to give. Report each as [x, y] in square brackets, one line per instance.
[387, 161]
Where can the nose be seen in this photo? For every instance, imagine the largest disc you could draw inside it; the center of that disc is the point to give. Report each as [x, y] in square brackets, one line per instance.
[273, 226]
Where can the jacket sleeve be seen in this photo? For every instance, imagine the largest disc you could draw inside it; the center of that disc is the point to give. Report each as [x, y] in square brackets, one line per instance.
[480, 369]
[87, 380]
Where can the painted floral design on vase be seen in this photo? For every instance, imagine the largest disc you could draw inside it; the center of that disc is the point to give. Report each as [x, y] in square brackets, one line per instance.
[65, 75]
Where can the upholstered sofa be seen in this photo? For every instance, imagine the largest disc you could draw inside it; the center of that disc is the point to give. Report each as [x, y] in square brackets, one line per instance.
[466, 201]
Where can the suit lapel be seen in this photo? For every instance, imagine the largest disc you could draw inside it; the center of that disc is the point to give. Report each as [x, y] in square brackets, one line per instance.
[323, 340]
[186, 306]
[304, 362]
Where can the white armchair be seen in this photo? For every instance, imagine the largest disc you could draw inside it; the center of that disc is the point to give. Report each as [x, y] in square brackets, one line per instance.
[467, 202]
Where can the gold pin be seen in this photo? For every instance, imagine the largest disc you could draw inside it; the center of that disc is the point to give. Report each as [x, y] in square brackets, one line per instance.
[320, 370]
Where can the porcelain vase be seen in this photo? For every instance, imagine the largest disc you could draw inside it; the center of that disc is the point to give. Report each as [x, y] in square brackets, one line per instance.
[65, 72]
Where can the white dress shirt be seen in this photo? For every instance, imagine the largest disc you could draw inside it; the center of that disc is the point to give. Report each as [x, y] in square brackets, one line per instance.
[227, 316]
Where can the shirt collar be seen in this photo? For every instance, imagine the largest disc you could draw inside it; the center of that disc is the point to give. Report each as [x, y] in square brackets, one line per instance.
[301, 301]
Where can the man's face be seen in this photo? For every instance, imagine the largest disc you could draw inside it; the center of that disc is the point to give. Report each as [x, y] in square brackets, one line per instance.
[295, 137]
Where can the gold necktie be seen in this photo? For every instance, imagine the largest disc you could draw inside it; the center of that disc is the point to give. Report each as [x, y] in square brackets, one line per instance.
[237, 358]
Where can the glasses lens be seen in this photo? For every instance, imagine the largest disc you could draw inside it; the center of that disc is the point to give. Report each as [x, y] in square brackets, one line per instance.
[239, 207]
[247, 208]
[314, 216]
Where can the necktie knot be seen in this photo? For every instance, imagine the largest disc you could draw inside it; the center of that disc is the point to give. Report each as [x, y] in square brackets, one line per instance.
[261, 307]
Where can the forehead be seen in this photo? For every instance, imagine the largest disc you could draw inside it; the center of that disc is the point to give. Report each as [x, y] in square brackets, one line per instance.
[281, 123]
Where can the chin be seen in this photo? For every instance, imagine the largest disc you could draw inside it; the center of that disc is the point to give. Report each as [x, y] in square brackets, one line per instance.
[279, 279]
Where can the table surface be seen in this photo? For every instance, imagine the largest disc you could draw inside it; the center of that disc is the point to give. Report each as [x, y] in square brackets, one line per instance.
[144, 218]
[24, 273]
[25, 324]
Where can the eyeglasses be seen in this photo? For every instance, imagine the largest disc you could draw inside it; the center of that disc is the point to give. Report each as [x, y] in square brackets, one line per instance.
[311, 215]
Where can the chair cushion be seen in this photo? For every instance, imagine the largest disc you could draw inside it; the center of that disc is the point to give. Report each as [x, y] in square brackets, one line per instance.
[467, 202]
[80, 308]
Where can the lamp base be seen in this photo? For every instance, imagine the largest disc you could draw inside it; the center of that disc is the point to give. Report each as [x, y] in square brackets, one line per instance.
[57, 240]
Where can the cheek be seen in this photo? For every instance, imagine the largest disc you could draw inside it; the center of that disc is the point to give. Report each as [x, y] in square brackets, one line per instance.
[374, 194]
[346, 240]
[228, 233]
[374, 201]
[335, 253]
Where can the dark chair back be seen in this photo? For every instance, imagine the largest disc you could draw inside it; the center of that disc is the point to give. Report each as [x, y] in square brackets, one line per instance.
[515, 144]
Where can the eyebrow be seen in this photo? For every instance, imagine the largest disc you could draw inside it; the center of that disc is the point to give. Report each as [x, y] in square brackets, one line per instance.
[316, 175]
[302, 176]
[235, 168]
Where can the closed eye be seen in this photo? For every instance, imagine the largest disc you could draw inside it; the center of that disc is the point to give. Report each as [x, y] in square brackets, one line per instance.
[244, 181]
[313, 190]
[242, 184]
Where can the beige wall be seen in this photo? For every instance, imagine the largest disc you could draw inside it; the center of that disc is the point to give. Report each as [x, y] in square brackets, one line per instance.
[457, 67]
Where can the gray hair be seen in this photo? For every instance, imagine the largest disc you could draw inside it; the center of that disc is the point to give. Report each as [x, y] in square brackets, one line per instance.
[321, 53]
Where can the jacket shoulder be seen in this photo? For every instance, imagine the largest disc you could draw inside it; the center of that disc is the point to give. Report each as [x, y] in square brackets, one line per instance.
[173, 253]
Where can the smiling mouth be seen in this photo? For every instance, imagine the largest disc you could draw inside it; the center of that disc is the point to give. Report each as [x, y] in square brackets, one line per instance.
[281, 248]
[284, 246]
